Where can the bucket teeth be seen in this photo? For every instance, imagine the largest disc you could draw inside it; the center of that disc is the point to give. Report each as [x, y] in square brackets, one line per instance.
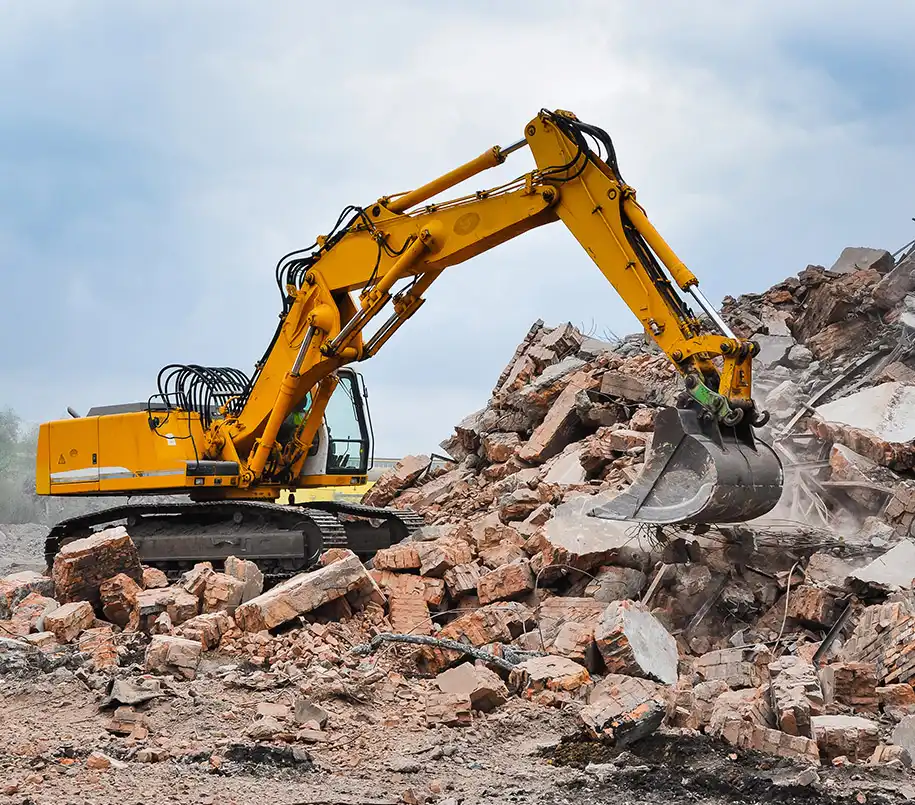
[700, 472]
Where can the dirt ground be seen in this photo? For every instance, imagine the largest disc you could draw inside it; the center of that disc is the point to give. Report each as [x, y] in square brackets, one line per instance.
[379, 750]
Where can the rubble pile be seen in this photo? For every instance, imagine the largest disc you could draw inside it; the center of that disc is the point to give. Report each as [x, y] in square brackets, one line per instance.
[792, 635]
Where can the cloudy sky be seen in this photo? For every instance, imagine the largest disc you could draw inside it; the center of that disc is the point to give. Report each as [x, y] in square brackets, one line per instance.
[156, 158]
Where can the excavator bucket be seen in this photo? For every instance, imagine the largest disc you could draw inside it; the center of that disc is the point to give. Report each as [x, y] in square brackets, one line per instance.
[700, 472]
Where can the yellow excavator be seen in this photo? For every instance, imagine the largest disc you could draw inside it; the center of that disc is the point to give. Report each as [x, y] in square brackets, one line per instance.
[231, 443]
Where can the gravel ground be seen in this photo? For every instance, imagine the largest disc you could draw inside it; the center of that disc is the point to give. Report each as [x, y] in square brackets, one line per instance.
[22, 547]
[378, 751]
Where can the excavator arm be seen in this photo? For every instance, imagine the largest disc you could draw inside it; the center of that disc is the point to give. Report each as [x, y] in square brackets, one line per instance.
[392, 252]
[349, 292]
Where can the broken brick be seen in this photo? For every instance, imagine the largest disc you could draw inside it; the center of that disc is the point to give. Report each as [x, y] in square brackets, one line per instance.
[557, 674]
[15, 587]
[248, 572]
[483, 688]
[851, 683]
[173, 655]
[403, 556]
[81, 566]
[506, 583]
[153, 577]
[462, 579]
[449, 709]
[69, 620]
[852, 737]
[303, 593]
[98, 643]
[119, 598]
[31, 611]
[222, 593]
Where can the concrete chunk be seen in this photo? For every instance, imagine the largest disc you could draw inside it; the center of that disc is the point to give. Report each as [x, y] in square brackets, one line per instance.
[877, 422]
[904, 735]
[81, 566]
[302, 593]
[850, 736]
[860, 258]
[616, 583]
[173, 655]
[632, 641]
[69, 620]
[896, 568]
[247, 572]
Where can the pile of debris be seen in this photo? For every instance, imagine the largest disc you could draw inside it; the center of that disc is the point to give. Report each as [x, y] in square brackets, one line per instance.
[794, 638]
[762, 615]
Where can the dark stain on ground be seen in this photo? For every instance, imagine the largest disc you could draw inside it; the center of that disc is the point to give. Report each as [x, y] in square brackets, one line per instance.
[672, 769]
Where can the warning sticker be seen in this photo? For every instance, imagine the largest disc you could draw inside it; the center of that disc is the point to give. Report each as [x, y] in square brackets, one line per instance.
[61, 460]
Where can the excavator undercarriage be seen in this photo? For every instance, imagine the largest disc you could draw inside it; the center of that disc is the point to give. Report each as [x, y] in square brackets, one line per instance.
[282, 539]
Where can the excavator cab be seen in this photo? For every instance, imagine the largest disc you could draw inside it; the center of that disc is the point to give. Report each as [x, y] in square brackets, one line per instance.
[343, 443]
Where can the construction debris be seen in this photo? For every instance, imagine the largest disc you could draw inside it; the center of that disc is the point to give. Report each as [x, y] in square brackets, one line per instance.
[303, 593]
[81, 566]
[793, 635]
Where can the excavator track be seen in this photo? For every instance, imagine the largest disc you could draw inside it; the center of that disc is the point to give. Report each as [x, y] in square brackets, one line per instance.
[282, 540]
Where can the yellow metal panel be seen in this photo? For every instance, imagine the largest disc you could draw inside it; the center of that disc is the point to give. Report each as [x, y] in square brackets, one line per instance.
[72, 458]
[133, 456]
[42, 461]
[312, 481]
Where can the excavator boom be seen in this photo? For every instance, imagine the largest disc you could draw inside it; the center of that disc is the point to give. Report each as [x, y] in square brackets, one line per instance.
[220, 435]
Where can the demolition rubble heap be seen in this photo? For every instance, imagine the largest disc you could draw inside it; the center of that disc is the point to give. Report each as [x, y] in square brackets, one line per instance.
[793, 635]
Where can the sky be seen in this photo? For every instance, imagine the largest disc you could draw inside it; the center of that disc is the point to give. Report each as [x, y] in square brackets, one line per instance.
[157, 158]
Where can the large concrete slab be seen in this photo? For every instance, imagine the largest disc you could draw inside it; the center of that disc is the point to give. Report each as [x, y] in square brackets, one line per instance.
[887, 410]
[572, 529]
[896, 568]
